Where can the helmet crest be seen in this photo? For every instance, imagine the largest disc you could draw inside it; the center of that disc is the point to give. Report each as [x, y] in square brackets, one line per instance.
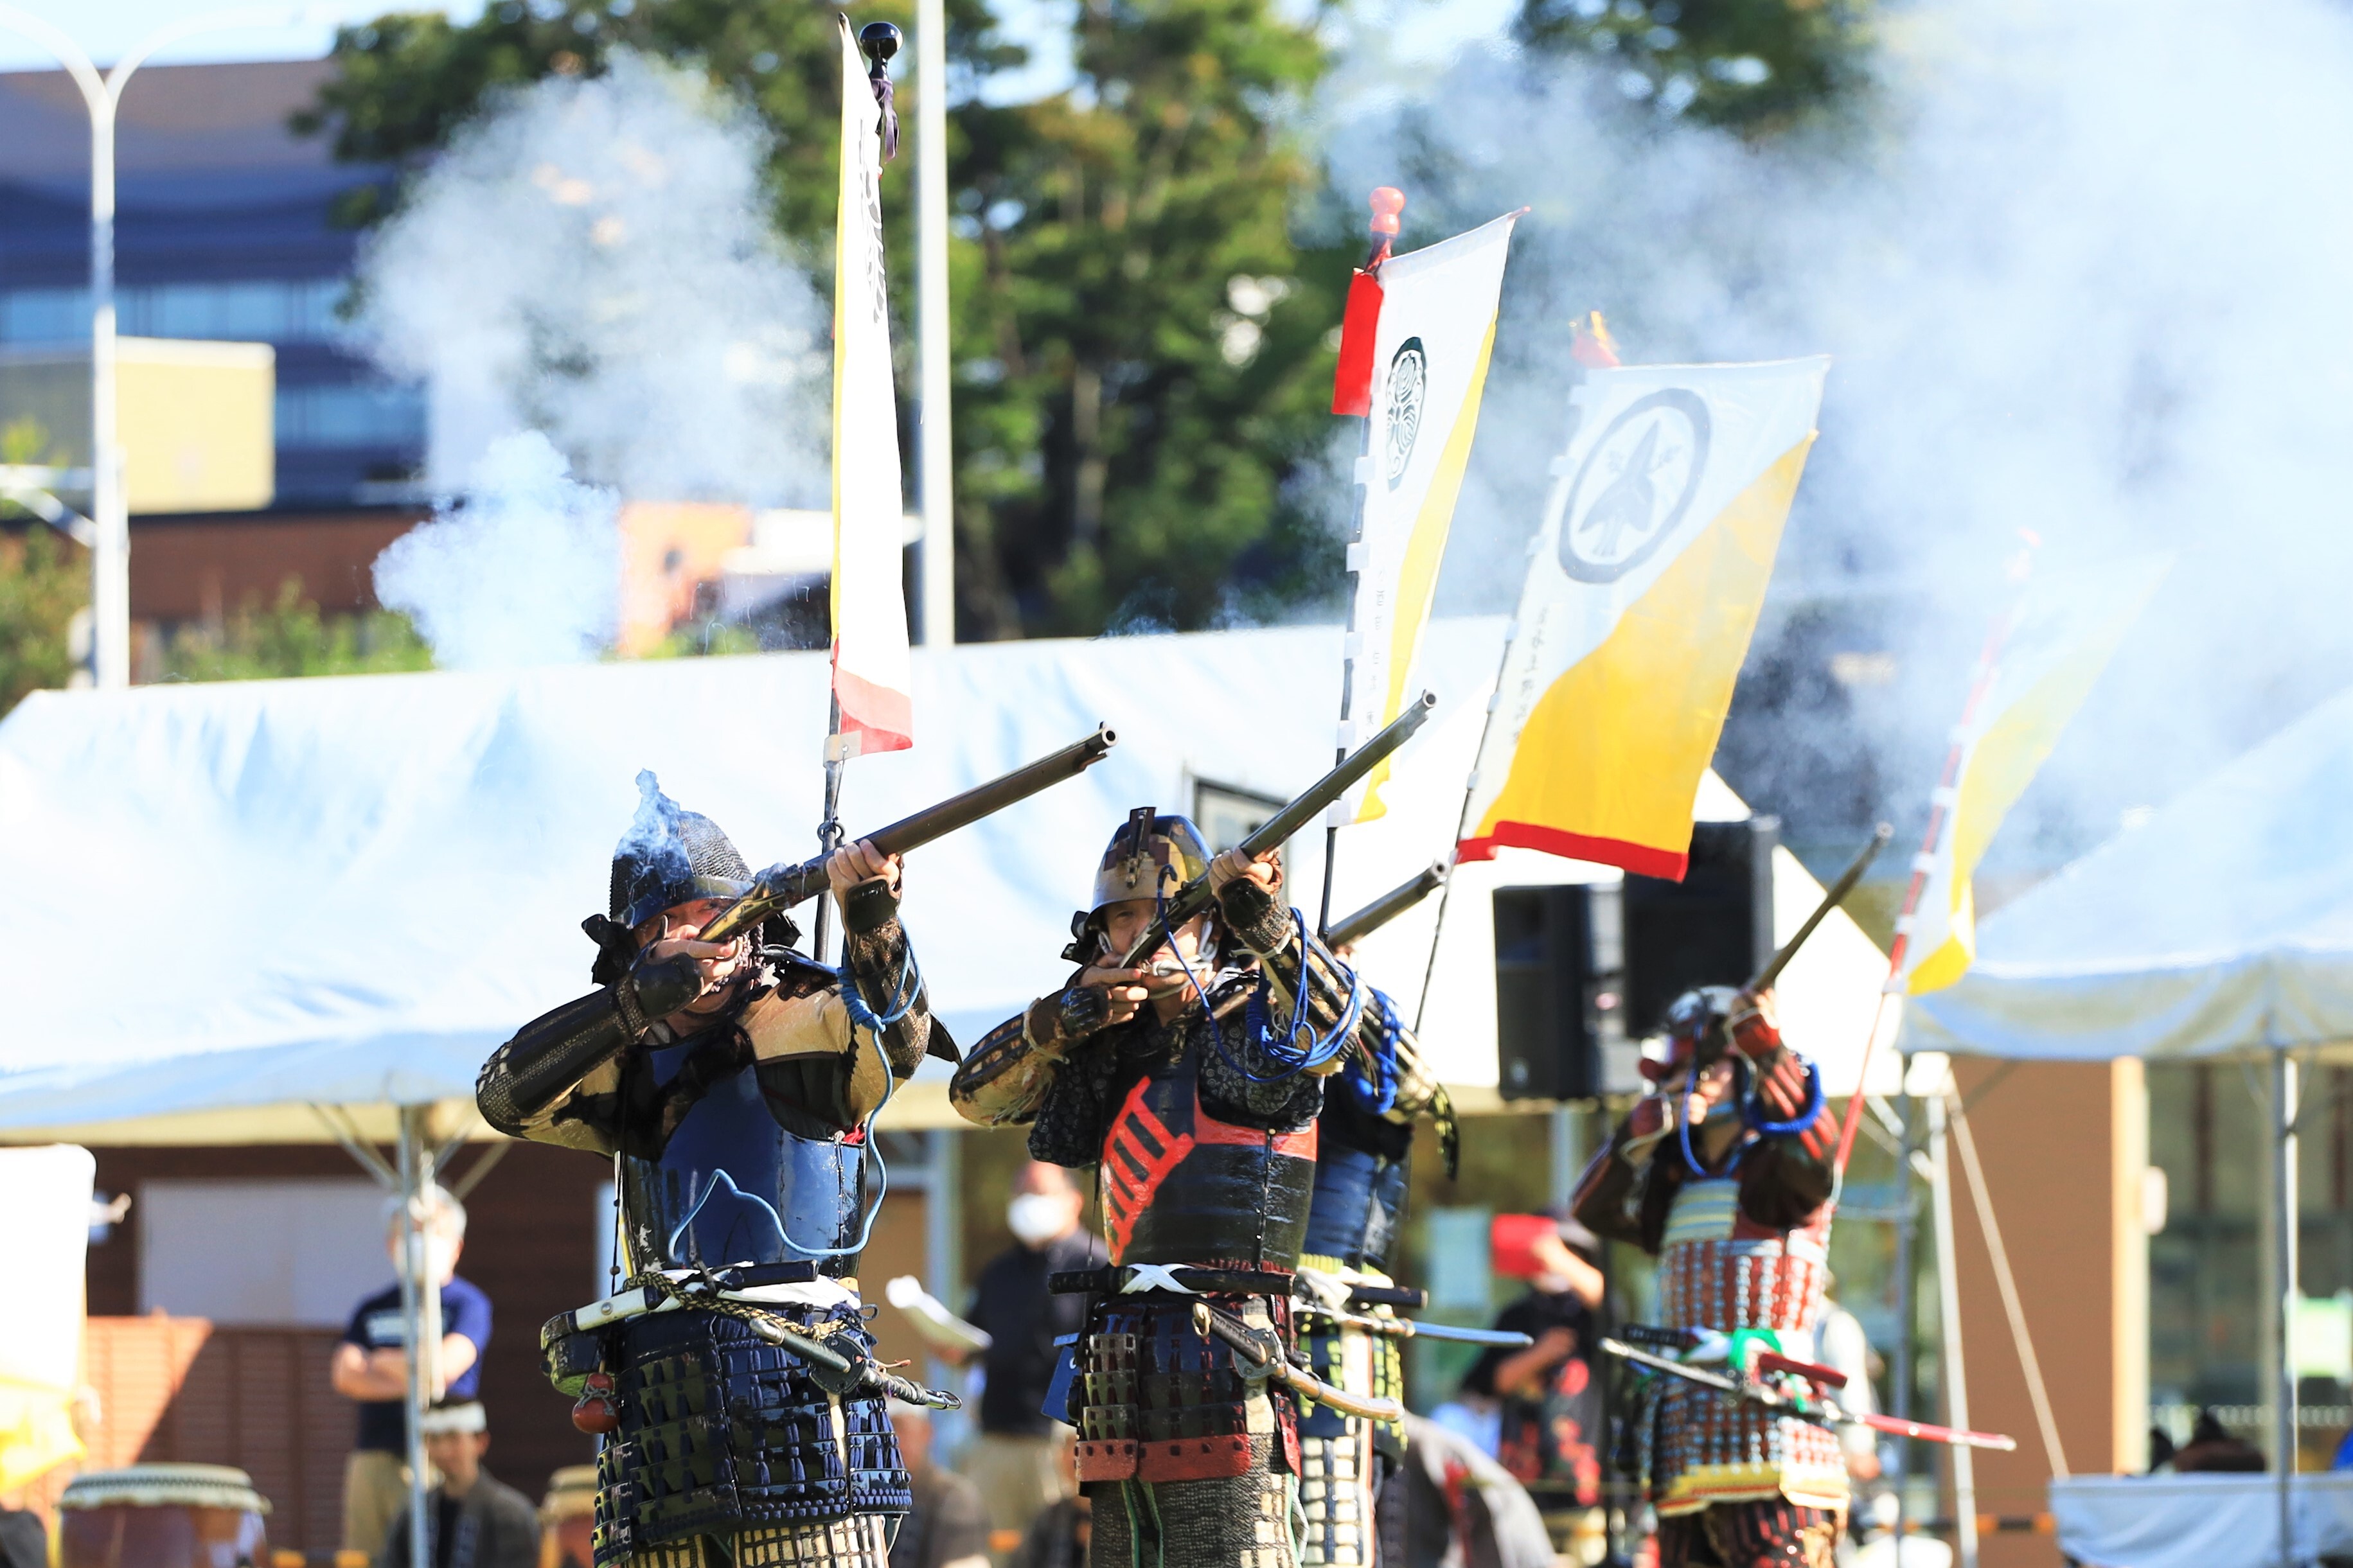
[669, 855]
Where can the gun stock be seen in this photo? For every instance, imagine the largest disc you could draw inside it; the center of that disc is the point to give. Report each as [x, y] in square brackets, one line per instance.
[1194, 896]
[780, 887]
[1388, 906]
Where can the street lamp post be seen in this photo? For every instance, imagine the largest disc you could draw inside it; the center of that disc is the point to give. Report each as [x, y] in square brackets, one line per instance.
[110, 564]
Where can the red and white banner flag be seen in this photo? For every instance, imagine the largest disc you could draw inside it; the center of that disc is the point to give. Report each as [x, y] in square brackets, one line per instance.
[871, 677]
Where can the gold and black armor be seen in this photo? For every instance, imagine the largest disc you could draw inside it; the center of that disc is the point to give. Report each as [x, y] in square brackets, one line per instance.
[740, 1146]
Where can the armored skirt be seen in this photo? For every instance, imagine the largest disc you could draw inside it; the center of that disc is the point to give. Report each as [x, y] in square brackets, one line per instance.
[729, 1453]
[1718, 1270]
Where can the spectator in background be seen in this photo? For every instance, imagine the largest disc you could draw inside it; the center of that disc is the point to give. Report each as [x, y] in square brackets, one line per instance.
[371, 1366]
[947, 1528]
[1059, 1537]
[2212, 1448]
[471, 1519]
[1841, 1344]
[1013, 1461]
[1549, 1402]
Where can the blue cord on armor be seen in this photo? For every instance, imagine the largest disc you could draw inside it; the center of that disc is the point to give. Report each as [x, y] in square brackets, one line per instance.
[1804, 1119]
[903, 991]
[1290, 1061]
[1378, 1098]
[1683, 1132]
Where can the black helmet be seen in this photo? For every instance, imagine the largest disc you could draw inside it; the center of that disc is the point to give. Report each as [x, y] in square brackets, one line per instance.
[1692, 1018]
[669, 855]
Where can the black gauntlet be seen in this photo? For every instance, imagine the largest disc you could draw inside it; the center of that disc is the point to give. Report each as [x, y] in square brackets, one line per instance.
[870, 906]
[554, 1051]
[1081, 1011]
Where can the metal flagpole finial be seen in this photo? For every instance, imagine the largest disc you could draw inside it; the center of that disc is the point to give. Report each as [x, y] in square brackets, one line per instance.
[1388, 202]
[878, 41]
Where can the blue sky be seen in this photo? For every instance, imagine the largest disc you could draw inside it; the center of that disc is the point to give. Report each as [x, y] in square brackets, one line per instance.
[1409, 28]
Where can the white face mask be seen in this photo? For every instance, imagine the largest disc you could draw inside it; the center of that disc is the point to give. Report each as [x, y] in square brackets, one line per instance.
[1037, 1218]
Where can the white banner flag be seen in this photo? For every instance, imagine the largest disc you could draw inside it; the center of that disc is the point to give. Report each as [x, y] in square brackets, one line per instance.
[872, 677]
[1432, 343]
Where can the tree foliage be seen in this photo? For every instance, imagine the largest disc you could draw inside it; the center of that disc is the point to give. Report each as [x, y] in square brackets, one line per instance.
[44, 583]
[1143, 346]
[290, 636]
[1756, 66]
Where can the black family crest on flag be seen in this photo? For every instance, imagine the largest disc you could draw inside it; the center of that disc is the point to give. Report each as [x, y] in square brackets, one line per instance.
[1409, 386]
[1634, 485]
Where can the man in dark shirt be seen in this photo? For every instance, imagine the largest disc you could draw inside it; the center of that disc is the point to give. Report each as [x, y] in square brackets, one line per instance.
[473, 1519]
[1013, 1459]
[1550, 1401]
[947, 1527]
[371, 1366]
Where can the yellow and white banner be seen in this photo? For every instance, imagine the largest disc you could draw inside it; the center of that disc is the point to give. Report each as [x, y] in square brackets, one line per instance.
[2059, 640]
[871, 676]
[1434, 336]
[1642, 593]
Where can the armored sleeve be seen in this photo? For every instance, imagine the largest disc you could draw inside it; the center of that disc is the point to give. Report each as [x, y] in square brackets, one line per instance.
[881, 965]
[1267, 928]
[559, 1080]
[1007, 1075]
[1787, 1176]
[821, 1073]
[1624, 1189]
[1392, 1057]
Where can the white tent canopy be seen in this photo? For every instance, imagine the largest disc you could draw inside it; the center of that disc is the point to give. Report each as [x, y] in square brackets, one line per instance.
[228, 896]
[2221, 923]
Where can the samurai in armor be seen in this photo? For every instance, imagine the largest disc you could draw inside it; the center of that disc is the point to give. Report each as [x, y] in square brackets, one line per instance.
[1364, 1140]
[731, 1084]
[1723, 1175]
[1184, 1082]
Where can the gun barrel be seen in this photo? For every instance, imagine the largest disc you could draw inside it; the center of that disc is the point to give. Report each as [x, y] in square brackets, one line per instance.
[1194, 896]
[781, 887]
[1833, 896]
[1388, 906]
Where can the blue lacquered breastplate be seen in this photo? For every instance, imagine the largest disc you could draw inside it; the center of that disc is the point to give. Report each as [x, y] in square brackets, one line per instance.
[733, 1186]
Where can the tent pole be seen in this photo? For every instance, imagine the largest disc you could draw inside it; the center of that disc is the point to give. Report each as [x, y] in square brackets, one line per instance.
[2284, 1290]
[1907, 1306]
[943, 1252]
[1949, 1294]
[413, 1177]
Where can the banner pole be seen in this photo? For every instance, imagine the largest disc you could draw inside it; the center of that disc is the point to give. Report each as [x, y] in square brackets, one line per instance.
[828, 829]
[1941, 811]
[1386, 204]
[1495, 698]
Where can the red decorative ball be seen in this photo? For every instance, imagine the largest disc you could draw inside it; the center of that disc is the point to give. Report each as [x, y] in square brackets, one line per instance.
[599, 1409]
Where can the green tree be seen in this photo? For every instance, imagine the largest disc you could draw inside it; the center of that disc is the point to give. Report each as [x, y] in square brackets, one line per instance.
[44, 584]
[1145, 369]
[1756, 66]
[1145, 347]
[290, 636]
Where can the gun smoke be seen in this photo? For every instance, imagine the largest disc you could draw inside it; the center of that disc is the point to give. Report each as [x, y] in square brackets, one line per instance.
[526, 570]
[2080, 269]
[592, 259]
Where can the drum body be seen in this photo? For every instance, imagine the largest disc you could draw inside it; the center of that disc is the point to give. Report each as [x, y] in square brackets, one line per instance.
[567, 1519]
[163, 1516]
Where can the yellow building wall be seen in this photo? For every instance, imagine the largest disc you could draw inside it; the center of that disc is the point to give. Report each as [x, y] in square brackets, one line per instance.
[197, 420]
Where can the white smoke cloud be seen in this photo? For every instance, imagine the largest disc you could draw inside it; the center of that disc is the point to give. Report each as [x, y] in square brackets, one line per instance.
[2084, 273]
[526, 571]
[591, 258]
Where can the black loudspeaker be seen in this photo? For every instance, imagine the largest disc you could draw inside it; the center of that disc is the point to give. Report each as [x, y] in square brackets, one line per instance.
[1713, 928]
[1559, 983]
